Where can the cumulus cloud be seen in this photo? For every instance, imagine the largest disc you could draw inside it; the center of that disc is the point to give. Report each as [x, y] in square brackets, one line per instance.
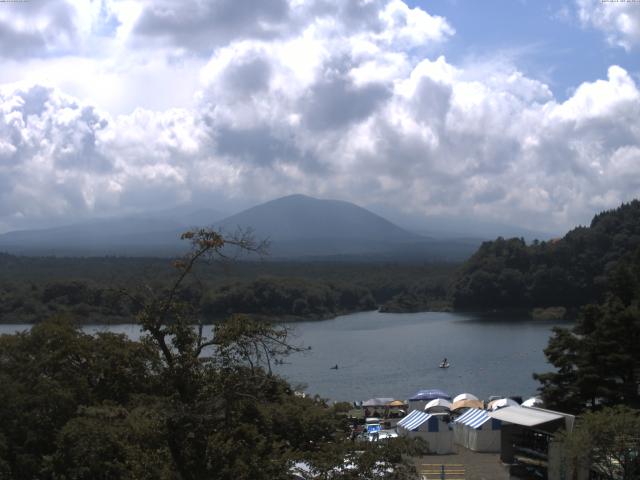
[619, 21]
[201, 26]
[55, 158]
[36, 28]
[332, 98]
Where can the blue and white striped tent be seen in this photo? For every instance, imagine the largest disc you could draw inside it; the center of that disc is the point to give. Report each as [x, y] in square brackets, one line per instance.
[412, 421]
[432, 428]
[477, 431]
[474, 418]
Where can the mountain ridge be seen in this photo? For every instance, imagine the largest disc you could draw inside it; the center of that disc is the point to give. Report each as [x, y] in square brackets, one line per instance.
[297, 226]
[289, 218]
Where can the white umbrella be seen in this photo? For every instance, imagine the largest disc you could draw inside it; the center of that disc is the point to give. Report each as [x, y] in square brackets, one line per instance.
[438, 403]
[533, 402]
[501, 403]
[465, 396]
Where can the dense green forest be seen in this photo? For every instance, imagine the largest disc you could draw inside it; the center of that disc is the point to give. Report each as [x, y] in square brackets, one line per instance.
[285, 297]
[569, 272]
[91, 289]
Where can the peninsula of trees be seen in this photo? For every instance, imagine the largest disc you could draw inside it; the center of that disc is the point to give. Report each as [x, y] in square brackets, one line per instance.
[570, 272]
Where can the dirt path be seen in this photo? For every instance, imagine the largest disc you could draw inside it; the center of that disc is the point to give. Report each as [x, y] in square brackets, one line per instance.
[462, 465]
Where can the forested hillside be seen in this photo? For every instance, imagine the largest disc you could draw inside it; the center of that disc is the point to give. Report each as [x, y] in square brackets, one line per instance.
[570, 272]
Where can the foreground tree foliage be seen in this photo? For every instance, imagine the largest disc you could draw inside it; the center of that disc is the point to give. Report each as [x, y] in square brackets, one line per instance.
[598, 360]
[48, 373]
[176, 404]
[606, 441]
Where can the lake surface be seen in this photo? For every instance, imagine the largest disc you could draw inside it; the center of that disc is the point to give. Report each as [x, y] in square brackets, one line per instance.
[394, 355]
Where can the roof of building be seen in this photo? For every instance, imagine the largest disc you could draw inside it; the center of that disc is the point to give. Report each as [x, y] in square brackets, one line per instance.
[527, 417]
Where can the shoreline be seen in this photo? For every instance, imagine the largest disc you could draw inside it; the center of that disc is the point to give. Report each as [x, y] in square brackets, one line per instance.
[530, 314]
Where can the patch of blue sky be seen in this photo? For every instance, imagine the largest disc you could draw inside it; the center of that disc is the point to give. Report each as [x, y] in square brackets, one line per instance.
[545, 40]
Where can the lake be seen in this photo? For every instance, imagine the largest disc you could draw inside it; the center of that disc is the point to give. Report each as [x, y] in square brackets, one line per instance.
[394, 355]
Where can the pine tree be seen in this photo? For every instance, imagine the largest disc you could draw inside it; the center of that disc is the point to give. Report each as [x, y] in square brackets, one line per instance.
[598, 360]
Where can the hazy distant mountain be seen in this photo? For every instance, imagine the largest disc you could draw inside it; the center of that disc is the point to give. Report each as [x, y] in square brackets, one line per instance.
[297, 226]
[298, 217]
[302, 226]
[446, 227]
[156, 233]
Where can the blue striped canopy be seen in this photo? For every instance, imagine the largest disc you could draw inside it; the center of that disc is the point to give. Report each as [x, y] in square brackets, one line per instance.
[473, 418]
[414, 420]
[430, 395]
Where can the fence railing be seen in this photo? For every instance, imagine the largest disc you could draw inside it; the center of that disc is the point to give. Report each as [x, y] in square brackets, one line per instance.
[438, 471]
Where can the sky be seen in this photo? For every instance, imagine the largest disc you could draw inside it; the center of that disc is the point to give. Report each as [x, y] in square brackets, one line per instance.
[525, 112]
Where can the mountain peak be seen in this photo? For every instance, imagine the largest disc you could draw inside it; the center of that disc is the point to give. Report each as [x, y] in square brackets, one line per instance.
[297, 217]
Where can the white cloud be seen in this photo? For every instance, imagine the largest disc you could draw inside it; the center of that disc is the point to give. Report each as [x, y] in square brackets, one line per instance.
[339, 99]
[619, 21]
[409, 27]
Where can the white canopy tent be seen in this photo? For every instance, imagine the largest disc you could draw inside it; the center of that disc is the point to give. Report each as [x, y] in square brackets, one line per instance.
[438, 405]
[432, 428]
[464, 396]
[502, 403]
[533, 402]
[477, 431]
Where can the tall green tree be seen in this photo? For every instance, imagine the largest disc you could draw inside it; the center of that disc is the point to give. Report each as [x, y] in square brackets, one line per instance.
[228, 415]
[598, 360]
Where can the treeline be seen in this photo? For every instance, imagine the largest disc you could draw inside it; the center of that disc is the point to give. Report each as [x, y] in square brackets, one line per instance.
[570, 272]
[430, 294]
[284, 297]
[30, 302]
[93, 289]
